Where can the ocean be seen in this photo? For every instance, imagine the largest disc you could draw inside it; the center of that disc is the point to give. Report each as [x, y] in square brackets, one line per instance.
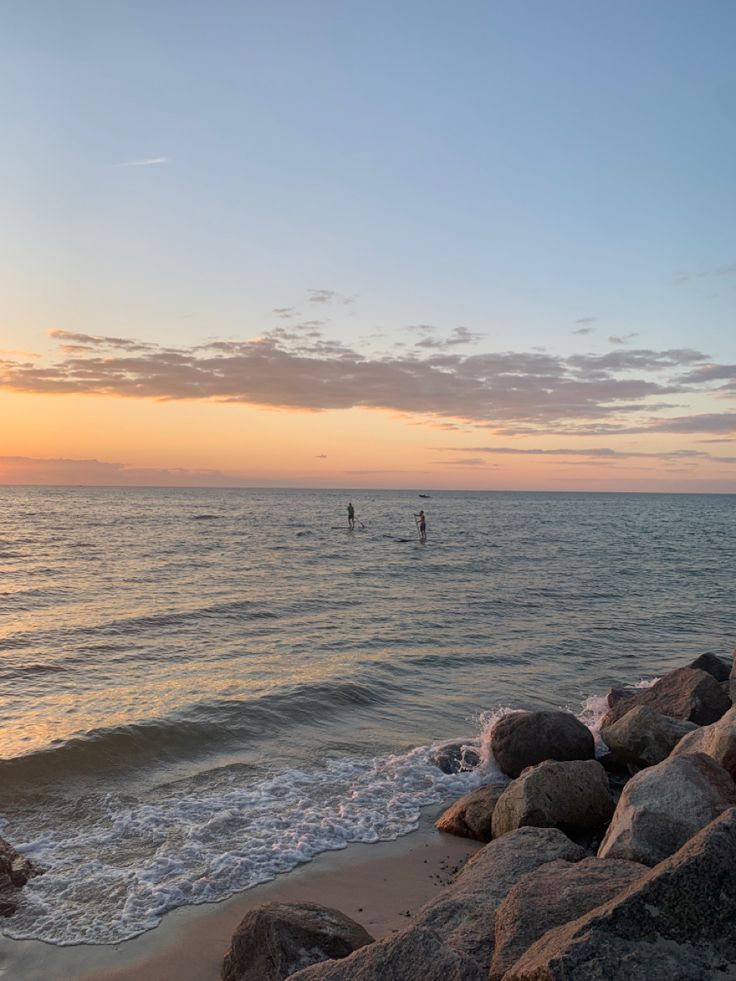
[202, 689]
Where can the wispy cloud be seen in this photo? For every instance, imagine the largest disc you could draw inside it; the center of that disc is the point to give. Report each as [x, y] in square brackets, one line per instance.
[147, 162]
[623, 338]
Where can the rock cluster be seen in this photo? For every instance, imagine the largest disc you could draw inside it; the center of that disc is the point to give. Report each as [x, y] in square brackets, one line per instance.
[15, 871]
[651, 896]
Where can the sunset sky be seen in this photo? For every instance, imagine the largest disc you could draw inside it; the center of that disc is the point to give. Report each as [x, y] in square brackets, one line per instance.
[485, 245]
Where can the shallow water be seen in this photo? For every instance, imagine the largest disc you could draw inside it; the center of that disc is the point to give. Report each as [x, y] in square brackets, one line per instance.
[202, 688]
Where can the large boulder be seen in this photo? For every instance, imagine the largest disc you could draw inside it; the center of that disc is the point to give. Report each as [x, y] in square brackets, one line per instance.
[732, 679]
[677, 923]
[522, 739]
[569, 795]
[15, 871]
[663, 806]
[463, 913]
[712, 664]
[643, 737]
[414, 954]
[277, 939]
[687, 693]
[552, 895]
[470, 816]
[717, 741]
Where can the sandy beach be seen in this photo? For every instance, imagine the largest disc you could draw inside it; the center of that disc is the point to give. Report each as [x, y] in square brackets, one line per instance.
[377, 885]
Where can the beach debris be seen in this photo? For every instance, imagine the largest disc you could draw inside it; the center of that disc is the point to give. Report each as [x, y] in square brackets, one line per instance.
[687, 693]
[717, 741]
[570, 794]
[455, 757]
[275, 940]
[644, 737]
[463, 913]
[665, 805]
[471, 815]
[522, 739]
[677, 923]
[15, 871]
[553, 895]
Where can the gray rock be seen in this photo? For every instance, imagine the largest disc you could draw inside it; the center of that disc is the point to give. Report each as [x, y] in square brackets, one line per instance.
[456, 757]
[643, 737]
[662, 807]
[416, 954]
[571, 794]
[687, 693]
[552, 895]
[717, 741]
[717, 666]
[464, 912]
[277, 939]
[470, 816]
[732, 679]
[677, 923]
[15, 871]
[522, 739]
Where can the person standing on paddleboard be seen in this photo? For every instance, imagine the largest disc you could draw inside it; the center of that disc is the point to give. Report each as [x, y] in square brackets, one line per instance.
[422, 524]
[351, 515]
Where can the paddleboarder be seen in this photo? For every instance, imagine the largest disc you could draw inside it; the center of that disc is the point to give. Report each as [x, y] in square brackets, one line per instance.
[422, 525]
[351, 515]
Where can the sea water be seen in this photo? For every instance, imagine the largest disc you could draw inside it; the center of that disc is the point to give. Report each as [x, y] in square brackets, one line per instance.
[201, 689]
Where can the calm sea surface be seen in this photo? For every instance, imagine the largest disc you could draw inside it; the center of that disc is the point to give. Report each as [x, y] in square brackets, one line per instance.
[200, 689]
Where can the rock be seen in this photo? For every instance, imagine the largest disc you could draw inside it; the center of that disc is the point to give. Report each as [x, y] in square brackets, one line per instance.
[552, 895]
[521, 739]
[456, 757]
[663, 806]
[463, 913]
[15, 871]
[644, 737]
[415, 954]
[713, 665]
[277, 939]
[470, 816]
[687, 693]
[677, 923]
[717, 741]
[732, 679]
[616, 695]
[572, 794]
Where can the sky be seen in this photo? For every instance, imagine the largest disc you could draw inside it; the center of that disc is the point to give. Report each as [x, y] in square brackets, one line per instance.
[485, 245]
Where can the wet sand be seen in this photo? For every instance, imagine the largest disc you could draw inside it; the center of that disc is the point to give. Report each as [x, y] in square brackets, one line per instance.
[378, 885]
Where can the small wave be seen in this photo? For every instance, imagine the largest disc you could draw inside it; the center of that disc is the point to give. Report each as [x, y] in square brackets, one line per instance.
[202, 728]
[206, 517]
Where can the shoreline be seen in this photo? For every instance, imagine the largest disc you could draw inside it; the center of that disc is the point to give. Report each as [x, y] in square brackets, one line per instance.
[375, 884]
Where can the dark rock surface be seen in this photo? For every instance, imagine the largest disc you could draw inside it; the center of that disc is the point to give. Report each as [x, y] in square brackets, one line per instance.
[413, 955]
[522, 739]
[277, 939]
[677, 923]
[456, 757]
[686, 693]
[15, 871]
[471, 815]
[552, 895]
[712, 664]
[662, 807]
[570, 794]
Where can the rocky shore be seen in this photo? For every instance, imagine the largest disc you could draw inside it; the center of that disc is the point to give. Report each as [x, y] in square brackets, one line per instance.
[615, 866]
[608, 862]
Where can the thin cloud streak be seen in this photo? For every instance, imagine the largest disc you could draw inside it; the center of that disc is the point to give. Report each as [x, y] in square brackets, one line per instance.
[148, 162]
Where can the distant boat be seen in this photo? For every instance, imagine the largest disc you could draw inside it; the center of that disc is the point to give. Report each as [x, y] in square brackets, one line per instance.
[425, 496]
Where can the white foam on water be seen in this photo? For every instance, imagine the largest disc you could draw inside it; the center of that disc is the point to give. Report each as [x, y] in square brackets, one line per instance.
[113, 877]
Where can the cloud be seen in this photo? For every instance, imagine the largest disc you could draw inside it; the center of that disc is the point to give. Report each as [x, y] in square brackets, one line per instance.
[284, 312]
[458, 336]
[623, 338]
[17, 470]
[584, 330]
[300, 367]
[684, 277]
[147, 162]
[329, 296]
[321, 456]
[594, 453]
